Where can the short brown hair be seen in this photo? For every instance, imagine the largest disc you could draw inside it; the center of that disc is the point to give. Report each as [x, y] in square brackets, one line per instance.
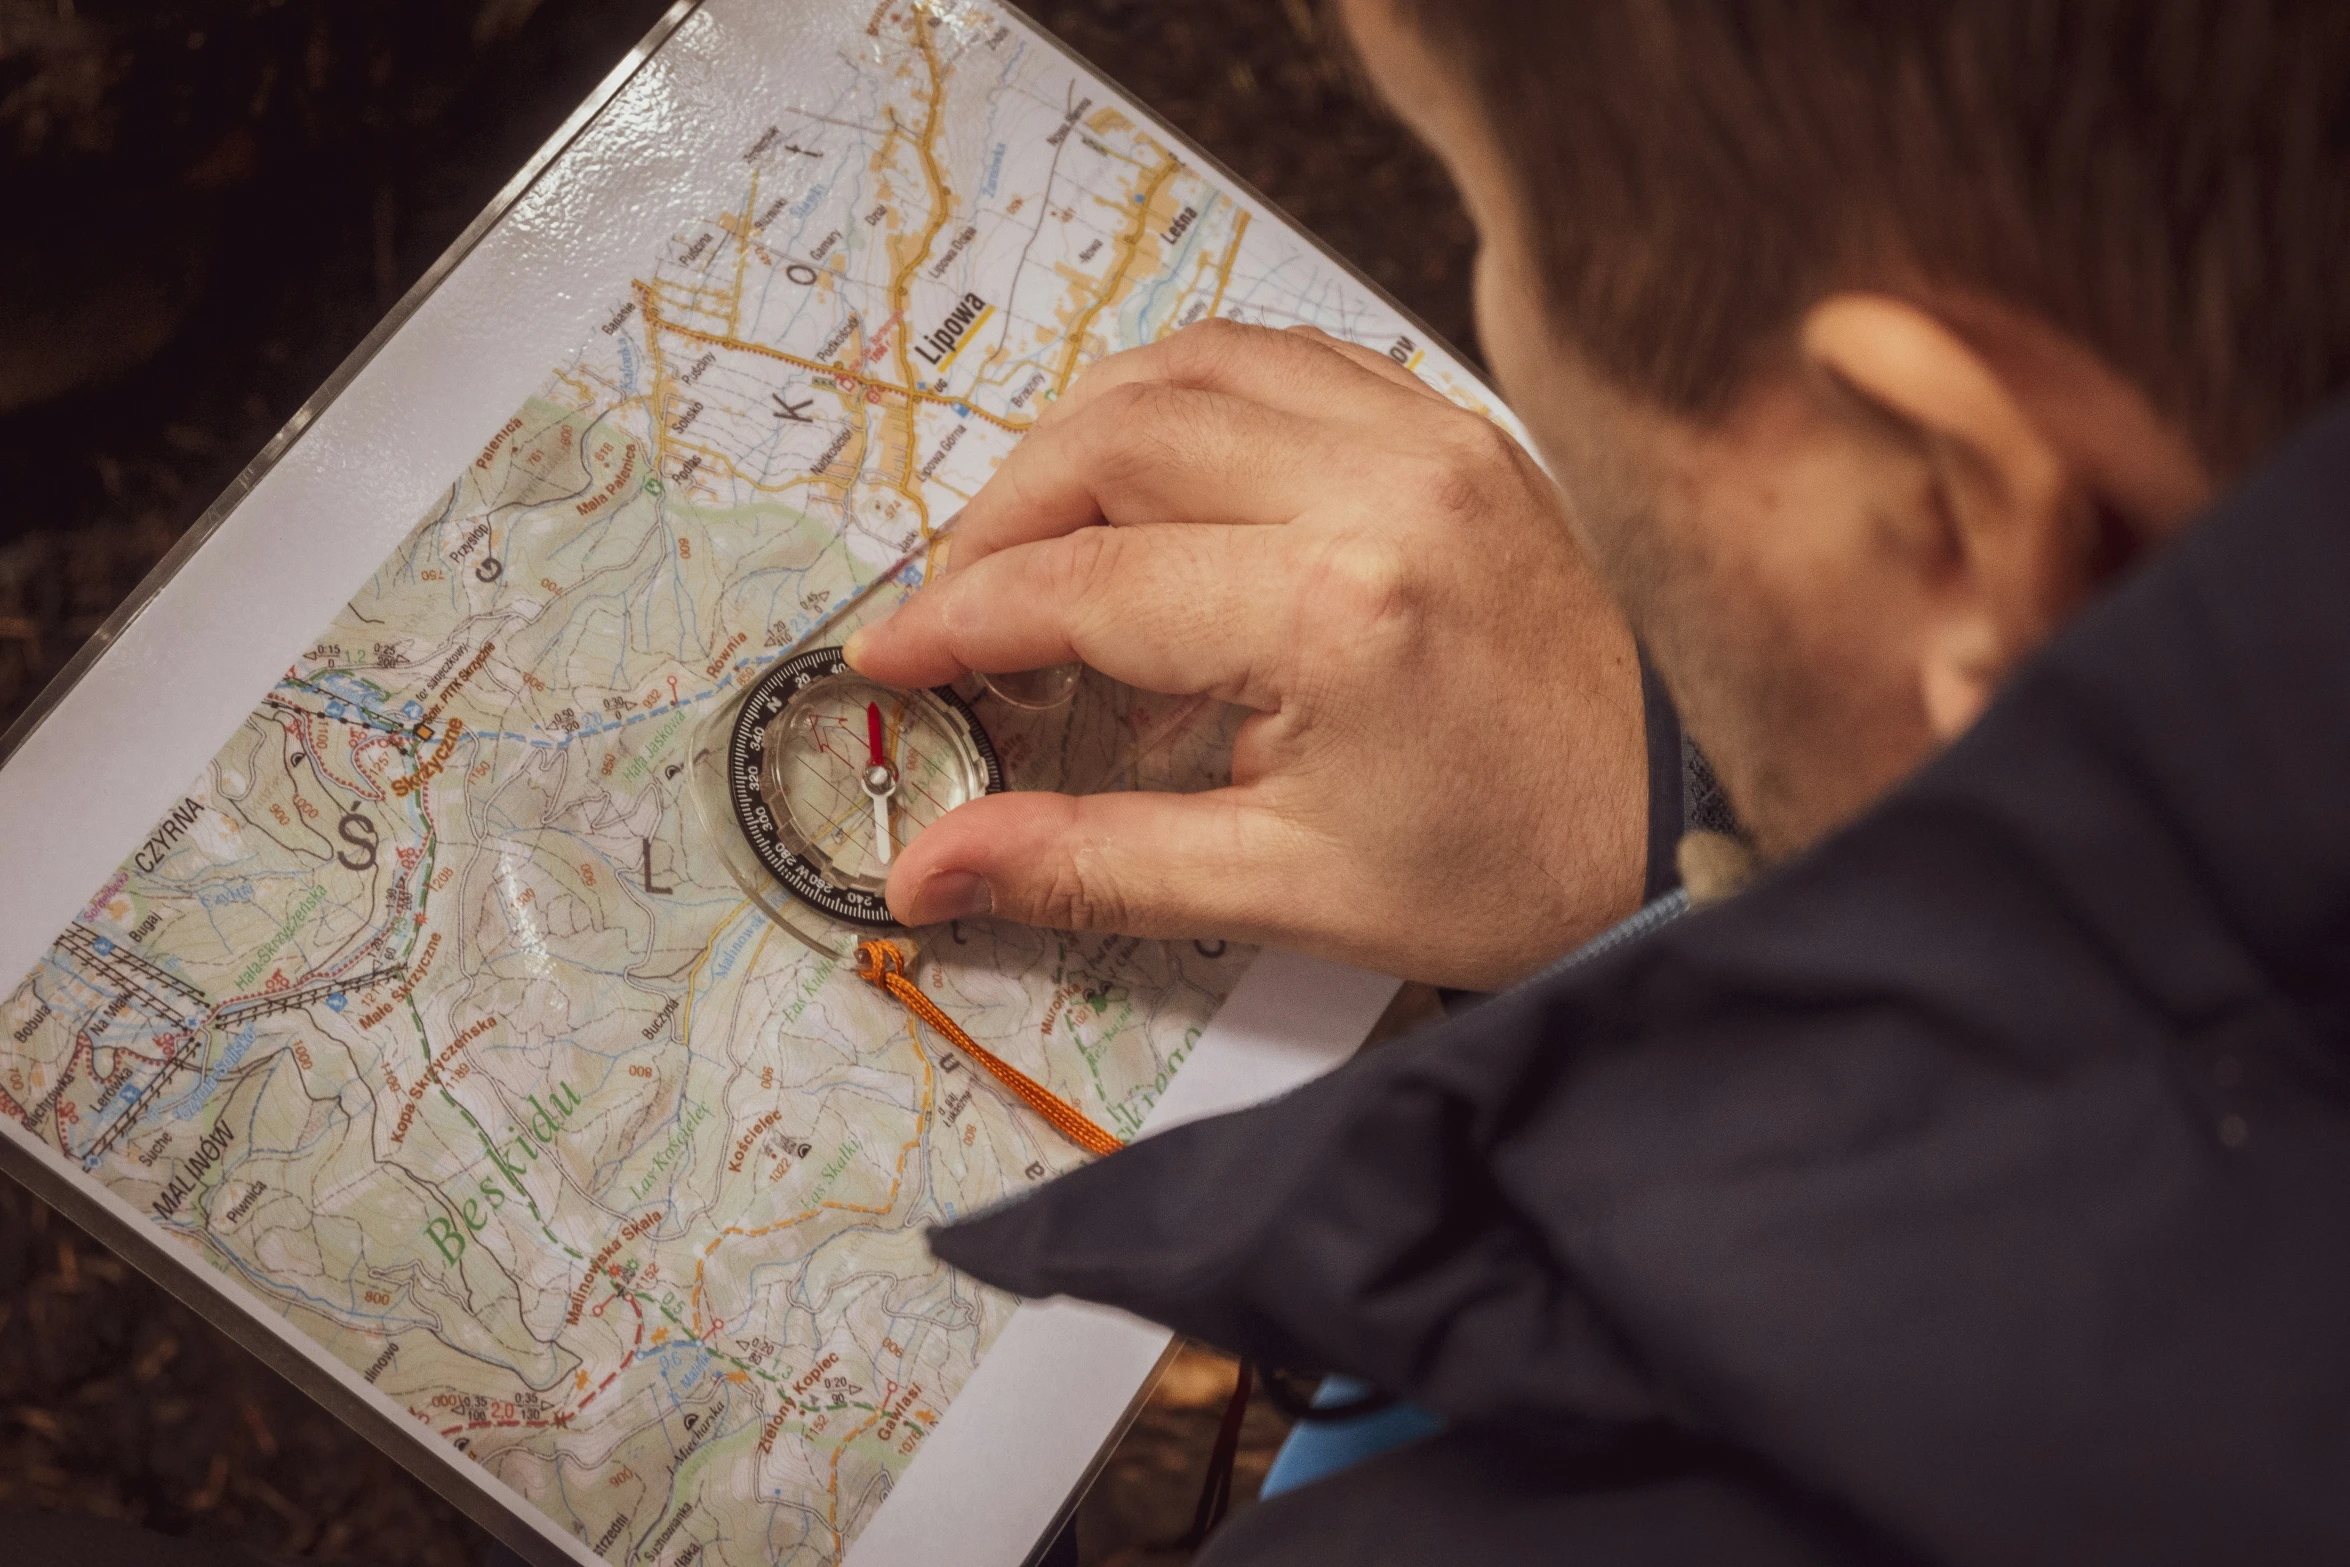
[2163, 179]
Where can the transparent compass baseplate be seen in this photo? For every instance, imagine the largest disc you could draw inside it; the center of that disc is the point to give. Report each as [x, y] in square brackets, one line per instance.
[813, 779]
[779, 773]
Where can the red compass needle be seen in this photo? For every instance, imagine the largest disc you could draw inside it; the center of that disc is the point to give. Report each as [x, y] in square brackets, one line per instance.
[881, 781]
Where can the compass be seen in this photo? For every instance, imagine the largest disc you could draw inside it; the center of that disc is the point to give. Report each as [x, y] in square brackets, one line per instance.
[830, 775]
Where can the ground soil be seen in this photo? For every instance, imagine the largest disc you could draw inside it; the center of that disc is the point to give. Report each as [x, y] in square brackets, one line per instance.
[209, 203]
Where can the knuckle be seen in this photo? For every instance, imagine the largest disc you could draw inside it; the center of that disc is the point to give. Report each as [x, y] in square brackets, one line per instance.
[948, 606]
[1207, 352]
[1210, 340]
[1116, 427]
[1075, 896]
[1368, 586]
[1090, 561]
[1105, 447]
[1474, 464]
[1213, 330]
[1488, 448]
[1138, 431]
[1454, 494]
[1126, 400]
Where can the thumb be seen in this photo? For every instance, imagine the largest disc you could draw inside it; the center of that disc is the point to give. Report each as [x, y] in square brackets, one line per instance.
[1139, 864]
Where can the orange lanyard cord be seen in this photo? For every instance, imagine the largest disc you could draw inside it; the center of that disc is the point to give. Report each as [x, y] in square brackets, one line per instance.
[882, 964]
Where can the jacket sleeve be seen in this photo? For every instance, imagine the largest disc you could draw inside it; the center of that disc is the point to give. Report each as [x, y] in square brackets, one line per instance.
[1982, 1169]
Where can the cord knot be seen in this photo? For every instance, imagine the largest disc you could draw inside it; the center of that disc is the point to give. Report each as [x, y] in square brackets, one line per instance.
[878, 960]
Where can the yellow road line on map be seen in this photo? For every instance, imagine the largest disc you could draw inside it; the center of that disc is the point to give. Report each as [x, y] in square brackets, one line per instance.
[941, 199]
[658, 405]
[896, 1184]
[1231, 254]
[742, 255]
[1116, 280]
[832, 1483]
[842, 372]
[685, 1021]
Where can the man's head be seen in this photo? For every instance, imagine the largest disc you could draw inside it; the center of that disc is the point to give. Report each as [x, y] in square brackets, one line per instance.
[1868, 339]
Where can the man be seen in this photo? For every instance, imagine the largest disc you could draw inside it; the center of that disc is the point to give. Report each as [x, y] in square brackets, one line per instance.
[1836, 515]
[1962, 1192]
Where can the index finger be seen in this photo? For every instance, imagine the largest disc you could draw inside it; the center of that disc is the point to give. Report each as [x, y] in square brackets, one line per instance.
[1151, 452]
[1296, 370]
[1183, 611]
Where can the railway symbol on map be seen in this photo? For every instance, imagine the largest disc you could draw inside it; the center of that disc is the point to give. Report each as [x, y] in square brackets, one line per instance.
[537, 1118]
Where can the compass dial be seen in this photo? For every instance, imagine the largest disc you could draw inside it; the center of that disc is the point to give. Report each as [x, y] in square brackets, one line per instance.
[831, 775]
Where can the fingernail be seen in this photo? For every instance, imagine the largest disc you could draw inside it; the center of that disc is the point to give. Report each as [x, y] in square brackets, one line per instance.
[853, 647]
[952, 895]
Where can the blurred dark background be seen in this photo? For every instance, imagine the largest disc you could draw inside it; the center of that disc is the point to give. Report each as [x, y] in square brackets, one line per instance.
[206, 204]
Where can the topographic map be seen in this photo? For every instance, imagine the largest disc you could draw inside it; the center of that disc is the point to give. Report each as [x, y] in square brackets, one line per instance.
[425, 1018]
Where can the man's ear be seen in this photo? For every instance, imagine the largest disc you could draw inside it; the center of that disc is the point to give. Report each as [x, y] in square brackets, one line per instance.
[2011, 531]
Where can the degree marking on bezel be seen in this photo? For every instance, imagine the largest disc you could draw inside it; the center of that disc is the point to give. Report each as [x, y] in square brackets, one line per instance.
[745, 749]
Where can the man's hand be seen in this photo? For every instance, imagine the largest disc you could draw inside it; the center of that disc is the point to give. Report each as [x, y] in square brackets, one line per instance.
[1445, 774]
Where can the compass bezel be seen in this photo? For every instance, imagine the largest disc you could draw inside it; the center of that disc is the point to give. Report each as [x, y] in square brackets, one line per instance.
[806, 880]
